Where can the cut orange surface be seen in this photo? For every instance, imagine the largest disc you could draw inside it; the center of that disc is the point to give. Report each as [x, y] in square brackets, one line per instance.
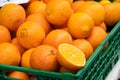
[70, 56]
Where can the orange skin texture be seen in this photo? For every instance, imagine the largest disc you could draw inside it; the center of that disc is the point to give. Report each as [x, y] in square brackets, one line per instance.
[44, 58]
[17, 44]
[103, 26]
[36, 7]
[11, 52]
[30, 34]
[19, 75]
[40, 18]
[58, 12]
[4, 31]
[112, 15]
[47, 1]
[95, 10]
[57, 37]
[12, 16]
[25, 60]
[76, 5]
[96, 37]
[85, 46]
[32, 0]
[80, 25]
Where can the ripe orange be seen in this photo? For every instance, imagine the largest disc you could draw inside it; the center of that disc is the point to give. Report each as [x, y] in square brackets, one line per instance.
[25, 61]
[30, 34]
[84, 46]
[57, 37]
[65, 28]
[12, 16]
[104, 2]
[76, 5]
[80, 25]
[4, 34]
[96, 37]
[36, 7]
[70, 57]
[95, 10]
[70, 1]
[25, 5]
[19, 75]
[58, 12]
[116, 1]
[17, 44]
[112, 15]
[9, 54]
[43, 57]
[40, 18]
[103, 26]
[63, 69]
[32, 0]
[47, 1]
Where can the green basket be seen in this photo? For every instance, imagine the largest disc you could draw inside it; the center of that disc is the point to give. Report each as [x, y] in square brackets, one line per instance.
[97, 67]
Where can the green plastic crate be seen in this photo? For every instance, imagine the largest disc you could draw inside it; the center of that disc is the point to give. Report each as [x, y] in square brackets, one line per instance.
[97, 67]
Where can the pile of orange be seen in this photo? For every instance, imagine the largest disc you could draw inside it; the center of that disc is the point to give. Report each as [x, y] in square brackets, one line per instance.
[54, 35]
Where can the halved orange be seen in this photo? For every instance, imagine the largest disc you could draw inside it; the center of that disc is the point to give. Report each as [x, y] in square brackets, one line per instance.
[70, 56]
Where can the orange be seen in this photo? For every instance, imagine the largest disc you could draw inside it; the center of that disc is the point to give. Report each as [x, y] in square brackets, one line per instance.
[36, 7]
[32, 0]
[112, 11]
[84, 46]
[58, 12]
[65, 28]
[70, 1]
[76, 5]
[63, 69]
[4, 34]
[40, 18]
[96, 37]
[103, 26]
[43, 57]
[19, 75]
[104, 2]
[80, 25]
[70, 57]
[9, 54]
[25, 60]
[116, 1]
[12, 16]
[57, 37]
[47, 1]
[17, 44]
[95, 10]
[25, 5]
[30, 34]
